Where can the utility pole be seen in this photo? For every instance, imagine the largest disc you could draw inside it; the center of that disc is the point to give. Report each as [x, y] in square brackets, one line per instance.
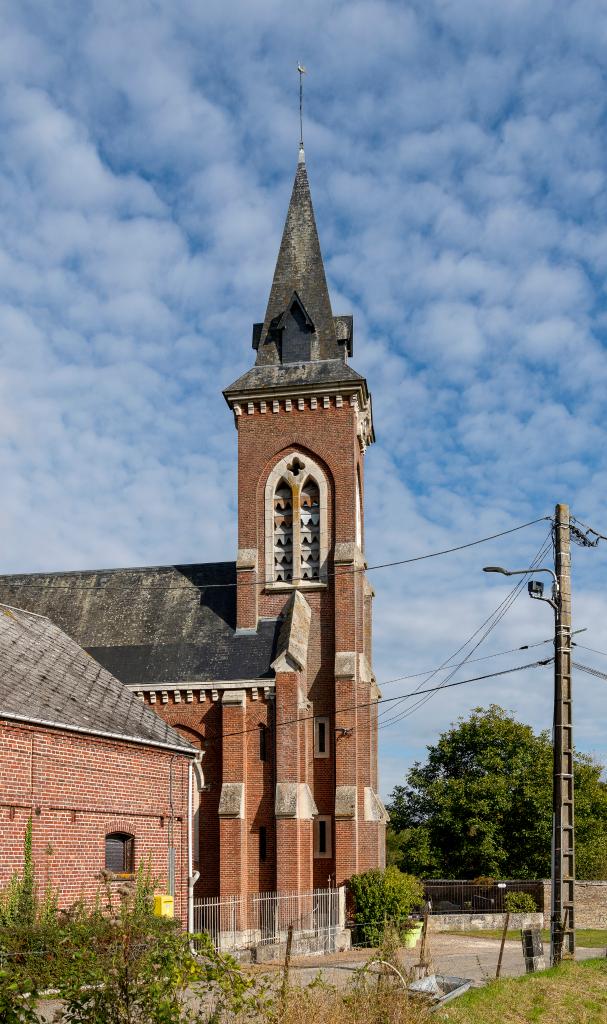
[562, 920]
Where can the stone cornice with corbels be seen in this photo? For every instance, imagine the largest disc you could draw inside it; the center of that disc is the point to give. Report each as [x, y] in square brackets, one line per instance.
[200, 693]
[297, 401]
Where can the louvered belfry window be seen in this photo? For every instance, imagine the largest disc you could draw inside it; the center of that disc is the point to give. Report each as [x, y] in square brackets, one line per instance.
[283, 532]
[309, 519]
[296, 522]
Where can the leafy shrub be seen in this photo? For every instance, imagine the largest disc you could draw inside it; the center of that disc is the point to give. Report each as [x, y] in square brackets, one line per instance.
[381, 897]
[20, 903]
[119, 964]
[114, 962]
[520, 902]
[17, 1000]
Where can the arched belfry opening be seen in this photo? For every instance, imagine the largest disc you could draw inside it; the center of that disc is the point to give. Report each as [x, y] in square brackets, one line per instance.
[309, 525]
[283, 532]
[297, 532]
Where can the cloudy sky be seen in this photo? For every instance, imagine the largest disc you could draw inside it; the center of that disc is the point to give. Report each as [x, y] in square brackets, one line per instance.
[456, 152]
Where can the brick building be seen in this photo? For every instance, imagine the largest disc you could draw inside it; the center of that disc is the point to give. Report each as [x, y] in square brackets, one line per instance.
[106, 783]
[265, 663]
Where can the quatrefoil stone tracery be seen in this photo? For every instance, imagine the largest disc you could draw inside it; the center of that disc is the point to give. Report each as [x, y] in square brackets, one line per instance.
[295, 467]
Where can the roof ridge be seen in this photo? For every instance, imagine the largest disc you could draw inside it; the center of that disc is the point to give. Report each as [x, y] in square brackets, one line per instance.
[23, 611]
[104, 571]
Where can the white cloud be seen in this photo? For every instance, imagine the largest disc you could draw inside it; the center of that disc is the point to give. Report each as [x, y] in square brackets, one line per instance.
[456, 152]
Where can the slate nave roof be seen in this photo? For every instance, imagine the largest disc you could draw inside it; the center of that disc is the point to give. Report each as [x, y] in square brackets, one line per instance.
[158, 625]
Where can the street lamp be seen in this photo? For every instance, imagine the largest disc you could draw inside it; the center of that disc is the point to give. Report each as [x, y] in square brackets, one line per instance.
[535, 588]
[563, 835]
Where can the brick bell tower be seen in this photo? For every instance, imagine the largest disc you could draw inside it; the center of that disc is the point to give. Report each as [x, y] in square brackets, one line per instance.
[304, 422]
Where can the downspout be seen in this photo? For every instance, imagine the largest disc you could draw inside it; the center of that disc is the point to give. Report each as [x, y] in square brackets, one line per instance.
[193, 876]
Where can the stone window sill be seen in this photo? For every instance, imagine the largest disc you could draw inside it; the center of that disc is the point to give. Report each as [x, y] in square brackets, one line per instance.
[283, 587]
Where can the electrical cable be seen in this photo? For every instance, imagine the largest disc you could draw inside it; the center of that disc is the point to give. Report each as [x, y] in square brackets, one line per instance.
[386, 700]
[470, 661]
[220, 736]
[590, 671]
[11, 581]
[495, 620]
[462, 682]
[491, 622]
[589, 529]
[593, 650]
[496, 615]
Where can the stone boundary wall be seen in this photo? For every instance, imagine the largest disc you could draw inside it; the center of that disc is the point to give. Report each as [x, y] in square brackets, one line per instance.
[590, 904]
[481, 922]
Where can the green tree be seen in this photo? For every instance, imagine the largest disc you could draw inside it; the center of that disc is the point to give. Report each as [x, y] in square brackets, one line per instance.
[481, 804]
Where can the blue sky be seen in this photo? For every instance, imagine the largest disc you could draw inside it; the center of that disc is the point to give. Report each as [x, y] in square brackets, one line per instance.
[456, 153]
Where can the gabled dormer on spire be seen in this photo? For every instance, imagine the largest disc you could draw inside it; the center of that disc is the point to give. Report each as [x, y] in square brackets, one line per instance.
[299, 325]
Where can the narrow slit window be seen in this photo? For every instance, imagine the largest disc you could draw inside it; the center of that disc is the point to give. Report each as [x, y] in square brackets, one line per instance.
[309, 519]
[321, 737]
[283, 532]
[322, 836]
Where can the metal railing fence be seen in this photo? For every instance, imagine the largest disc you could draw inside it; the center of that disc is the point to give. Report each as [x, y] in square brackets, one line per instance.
[254, 919]
[459, 897]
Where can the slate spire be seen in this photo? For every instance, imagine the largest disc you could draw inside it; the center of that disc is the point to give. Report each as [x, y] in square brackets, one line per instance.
[299, 324]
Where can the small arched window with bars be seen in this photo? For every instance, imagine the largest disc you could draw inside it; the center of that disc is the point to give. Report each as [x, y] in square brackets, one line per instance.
[309, 527]
[119, 853]
[283, 532]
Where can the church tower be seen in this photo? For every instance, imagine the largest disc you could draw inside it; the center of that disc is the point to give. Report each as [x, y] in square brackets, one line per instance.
[264, 665]
[304, 422]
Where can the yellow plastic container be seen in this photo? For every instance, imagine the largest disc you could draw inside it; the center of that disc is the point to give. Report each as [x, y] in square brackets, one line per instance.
[164, 906]
[412, 935]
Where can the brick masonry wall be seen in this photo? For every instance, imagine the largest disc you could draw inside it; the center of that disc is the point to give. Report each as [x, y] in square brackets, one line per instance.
[203, 724]
[341, 620]
[590, 904]
[77, 789]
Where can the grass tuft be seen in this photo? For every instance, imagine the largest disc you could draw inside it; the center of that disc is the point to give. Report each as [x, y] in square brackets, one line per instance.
[591, 938]
[573, 993]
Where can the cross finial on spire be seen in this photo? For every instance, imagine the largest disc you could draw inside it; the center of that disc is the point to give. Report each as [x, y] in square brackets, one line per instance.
[302, 72]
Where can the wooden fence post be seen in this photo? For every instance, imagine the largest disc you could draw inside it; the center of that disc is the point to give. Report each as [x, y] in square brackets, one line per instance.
[504, 933]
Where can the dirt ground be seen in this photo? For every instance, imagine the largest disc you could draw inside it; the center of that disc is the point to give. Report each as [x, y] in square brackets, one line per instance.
[458, 955]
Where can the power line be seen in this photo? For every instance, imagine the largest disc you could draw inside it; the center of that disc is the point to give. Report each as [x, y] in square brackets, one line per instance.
[469, 661]
[507, 604]
[589, 529]
[26, 584]
[590, 671]
[386, 700]
[593, 650]
[491, 622]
